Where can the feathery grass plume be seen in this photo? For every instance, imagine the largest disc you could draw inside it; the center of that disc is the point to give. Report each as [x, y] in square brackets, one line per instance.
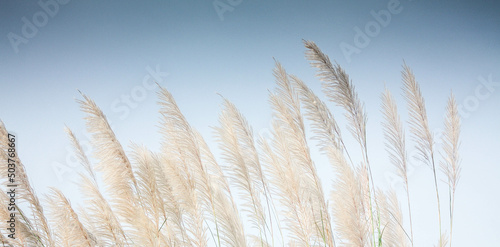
[324, 126]
[419, 124]
[102, 222]
[327, 132]
[118, 176]
[340, 90]
[97, 215]
[243, 167]
[80, 154]
[391, 219]
[147, 170]
[318, 204]
[204, 174]
[174, 219]
[355, 189]
[87, 221]
[395, 144]
[38, 224]
[349, 202]
[181, 151]
[290, 143]
[232, 227]
[69, 231]
[113, 162]
[419, 127]
[190, 215]
[451, 144]
[286, 185]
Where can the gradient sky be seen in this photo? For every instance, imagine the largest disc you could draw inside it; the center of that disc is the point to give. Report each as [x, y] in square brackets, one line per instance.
[107, 49]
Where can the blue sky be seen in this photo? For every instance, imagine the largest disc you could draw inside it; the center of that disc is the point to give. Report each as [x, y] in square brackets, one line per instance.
[111, 50]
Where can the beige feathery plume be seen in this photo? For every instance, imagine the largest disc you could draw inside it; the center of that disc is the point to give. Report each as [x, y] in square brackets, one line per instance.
[229, 218]
[242, 131]
[173, 223]
[350, 205]
[394, 135]
[328, 135]
[69, 230]
[101, 220]
[395, 144]
[236, 141]
[419, 126]
[151, 168]
[113, 162]
[39, 225]
[391, 219]
[204, 174]
[323, 123]
[189, 215]
[182, 152]
[340, 90]
[173, 191]
[180, 179]
[286, 185]
[97, 215]
[351, 188]
[290, 143]
[80, 154]
[350, 200]
[146, 177]
[147, 173]
[118, 175]
[451, 143]
[86, 221]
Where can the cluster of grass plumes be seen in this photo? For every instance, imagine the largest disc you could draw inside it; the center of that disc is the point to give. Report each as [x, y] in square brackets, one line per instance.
[182, 195]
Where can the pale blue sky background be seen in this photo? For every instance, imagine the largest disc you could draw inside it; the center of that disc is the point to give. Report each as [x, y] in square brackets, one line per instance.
[104, 48]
